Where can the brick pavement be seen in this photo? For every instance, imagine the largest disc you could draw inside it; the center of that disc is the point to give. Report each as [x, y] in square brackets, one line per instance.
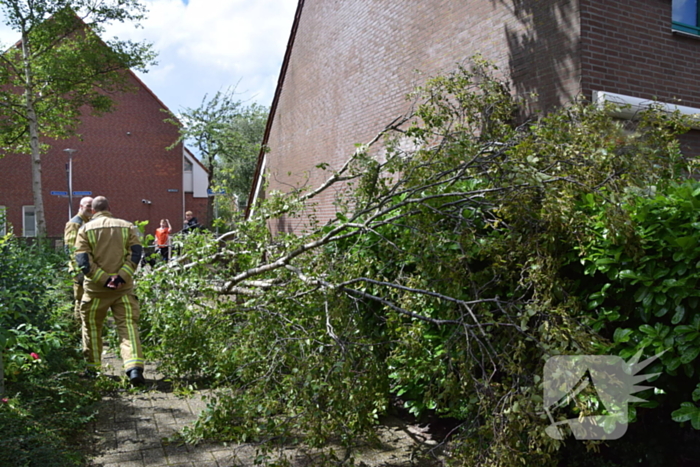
[136, 428]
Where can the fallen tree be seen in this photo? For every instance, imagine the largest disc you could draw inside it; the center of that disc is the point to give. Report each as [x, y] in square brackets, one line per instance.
[446, 280]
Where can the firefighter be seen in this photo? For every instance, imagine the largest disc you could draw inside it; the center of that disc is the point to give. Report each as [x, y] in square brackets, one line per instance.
[69, 235]
[108, 252]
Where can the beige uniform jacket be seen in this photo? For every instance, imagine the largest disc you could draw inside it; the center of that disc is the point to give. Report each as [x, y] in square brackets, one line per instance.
[70, 233]
[107, 246]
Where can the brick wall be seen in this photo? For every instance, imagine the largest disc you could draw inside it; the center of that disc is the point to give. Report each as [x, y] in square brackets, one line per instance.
[121, 156]
[627, 47]
[354, 61]
[198, 206]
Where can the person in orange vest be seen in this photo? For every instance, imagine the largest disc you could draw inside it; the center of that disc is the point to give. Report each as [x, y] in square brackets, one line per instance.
[108, 252]
[70, 233]
[163, 238]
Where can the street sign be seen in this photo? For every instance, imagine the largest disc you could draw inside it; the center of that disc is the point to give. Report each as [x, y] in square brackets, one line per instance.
[173, 190]
[82, 193]
[59, 193]
[210, 192]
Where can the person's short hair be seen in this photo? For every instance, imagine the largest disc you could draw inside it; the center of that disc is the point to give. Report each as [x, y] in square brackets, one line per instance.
[189, 213]
[100, 203]
[162, 220]
[86, 201]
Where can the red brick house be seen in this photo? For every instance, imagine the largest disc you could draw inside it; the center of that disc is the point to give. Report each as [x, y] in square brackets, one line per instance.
[121, 155]
[349, 65]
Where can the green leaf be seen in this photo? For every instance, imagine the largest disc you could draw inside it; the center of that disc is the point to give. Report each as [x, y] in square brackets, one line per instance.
[680, 269]
[690, 354]
[673, 363]
[668, 283]
[687, 242]
[648, 300]
[641, 294]
[683, 329]
[628, 274]
[687, 412]
[678, 316]
[622, 335]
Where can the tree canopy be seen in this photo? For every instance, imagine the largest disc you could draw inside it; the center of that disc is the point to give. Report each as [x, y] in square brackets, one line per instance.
[227, 134]
[59, 68]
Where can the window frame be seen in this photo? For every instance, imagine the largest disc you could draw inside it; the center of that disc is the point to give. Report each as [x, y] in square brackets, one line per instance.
[25, 209]
[3, 221]
[684, 27]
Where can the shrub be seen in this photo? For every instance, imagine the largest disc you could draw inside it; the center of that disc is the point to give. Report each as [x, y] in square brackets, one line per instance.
[442, 285]
[45, 406]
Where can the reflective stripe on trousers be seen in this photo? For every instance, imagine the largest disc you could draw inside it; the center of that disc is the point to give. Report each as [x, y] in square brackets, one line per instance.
[125, 310]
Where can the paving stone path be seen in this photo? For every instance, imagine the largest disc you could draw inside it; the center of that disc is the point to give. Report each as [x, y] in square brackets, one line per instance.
[136, 429]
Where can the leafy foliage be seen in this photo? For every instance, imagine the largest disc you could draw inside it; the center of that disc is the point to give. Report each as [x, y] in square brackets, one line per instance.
[45, 406]
[59, 67]
[27, 284]
[443, 284]
[228, 136]
[643, 291]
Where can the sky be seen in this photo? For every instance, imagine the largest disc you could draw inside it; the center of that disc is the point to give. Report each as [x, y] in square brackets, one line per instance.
[205, 46]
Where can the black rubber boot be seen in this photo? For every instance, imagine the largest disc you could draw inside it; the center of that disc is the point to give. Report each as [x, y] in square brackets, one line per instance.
[136, 376]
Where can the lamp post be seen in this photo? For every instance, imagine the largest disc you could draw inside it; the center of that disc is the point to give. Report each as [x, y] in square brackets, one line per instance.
[69, 172]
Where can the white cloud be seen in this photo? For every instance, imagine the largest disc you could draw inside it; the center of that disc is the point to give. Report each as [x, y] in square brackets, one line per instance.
[208, 45]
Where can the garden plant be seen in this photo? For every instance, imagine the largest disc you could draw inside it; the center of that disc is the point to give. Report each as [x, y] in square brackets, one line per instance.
[44, 404]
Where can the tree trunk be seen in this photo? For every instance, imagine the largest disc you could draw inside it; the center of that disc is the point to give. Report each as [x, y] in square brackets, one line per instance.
[210, 200]
[33, 141]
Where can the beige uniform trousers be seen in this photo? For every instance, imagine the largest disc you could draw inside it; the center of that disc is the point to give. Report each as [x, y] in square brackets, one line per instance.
[78, 291]
[125, 310]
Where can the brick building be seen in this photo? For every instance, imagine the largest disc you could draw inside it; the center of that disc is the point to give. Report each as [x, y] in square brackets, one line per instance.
[349, 65]
[121, 155]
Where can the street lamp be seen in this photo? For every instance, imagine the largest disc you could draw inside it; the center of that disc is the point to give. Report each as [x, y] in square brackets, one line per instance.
[69, 172]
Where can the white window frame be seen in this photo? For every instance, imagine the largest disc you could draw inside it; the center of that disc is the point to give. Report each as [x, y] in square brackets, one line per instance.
[25, 211]
[629, 106]
[3, 221]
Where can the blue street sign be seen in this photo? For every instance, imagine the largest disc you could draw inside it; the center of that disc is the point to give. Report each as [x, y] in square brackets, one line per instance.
[59, 193]
[82, 193]
[210, 192]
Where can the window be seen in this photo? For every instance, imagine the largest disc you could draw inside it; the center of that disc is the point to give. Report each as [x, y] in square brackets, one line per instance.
[3, 221]
[188, 165]
[28, 221]
[685, 16]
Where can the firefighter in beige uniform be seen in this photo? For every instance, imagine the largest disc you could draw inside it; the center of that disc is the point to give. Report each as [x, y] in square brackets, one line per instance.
[108, 251]
[69, 235]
